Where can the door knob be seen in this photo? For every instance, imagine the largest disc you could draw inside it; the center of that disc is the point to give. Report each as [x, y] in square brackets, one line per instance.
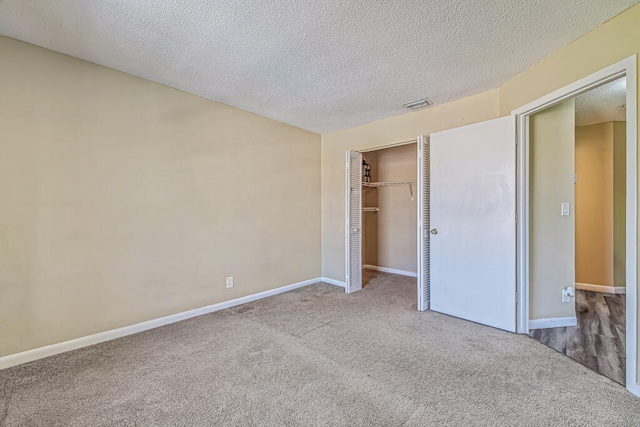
[434, 231]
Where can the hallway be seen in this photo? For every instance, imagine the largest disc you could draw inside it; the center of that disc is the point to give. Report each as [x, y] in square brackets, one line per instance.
[598, 341]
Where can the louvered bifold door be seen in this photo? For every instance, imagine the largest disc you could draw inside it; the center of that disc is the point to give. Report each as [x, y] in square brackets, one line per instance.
[354, 222]
[423, 223]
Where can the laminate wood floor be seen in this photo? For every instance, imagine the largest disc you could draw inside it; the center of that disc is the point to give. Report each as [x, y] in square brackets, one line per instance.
[598, 341]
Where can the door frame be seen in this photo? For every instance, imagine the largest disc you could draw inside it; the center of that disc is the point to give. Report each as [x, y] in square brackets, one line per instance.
[422, 306]
[626, 67]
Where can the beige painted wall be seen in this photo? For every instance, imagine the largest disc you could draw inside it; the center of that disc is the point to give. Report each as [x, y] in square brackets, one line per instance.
[619, 203]
[552, 241]
[397, 219]
[594, 204]
[124, 200]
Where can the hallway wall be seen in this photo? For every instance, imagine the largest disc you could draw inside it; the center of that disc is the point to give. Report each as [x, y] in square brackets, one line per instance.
[552, 241]
[594, 204]
[600, 204]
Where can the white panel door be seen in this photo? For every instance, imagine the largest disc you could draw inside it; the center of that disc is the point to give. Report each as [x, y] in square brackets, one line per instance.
[423, 223]
[354, 222]
[473, 223]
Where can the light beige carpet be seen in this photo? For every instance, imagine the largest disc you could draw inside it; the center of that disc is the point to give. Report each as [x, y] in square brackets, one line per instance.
[316, 356]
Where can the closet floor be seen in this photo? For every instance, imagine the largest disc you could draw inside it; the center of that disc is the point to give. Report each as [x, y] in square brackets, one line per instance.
[368, 275]
[598, 340]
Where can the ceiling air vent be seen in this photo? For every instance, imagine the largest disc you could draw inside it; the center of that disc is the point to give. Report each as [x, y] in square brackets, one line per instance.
[420, 103]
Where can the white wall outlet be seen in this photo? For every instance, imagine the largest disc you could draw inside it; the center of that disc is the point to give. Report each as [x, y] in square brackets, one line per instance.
[229, 282]
[568, 293]
[565, 209]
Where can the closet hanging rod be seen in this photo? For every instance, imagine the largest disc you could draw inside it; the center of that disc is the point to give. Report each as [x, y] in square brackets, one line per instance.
[386, 183]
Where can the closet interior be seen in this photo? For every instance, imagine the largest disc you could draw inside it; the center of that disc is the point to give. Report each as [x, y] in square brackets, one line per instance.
[389, 214]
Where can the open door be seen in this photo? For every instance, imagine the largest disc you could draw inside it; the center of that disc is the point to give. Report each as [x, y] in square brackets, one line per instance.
[423, 223]
[473, 222]
[354, 222]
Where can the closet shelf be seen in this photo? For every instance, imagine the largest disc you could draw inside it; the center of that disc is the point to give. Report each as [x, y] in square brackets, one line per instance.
[370, 209]
[383, 184]
[389, 183]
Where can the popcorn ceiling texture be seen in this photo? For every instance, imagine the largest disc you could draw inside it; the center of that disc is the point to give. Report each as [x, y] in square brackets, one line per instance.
[323, 65]
[602, 104]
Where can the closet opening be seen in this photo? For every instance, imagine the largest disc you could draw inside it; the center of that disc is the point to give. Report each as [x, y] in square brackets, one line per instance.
[385, 211]
[389, 212]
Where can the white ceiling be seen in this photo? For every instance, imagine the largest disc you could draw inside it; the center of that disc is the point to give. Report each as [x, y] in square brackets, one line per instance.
[602, 104]
[321, 65]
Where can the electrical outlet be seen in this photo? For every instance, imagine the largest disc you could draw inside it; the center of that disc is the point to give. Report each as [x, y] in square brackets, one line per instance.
[229, 282]
[567, 294]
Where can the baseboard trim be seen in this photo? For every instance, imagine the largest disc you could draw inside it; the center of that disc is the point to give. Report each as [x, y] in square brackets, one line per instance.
[553, 322]
[634, 388]
[334, 282]
[74, 344]
[390, 270]
[601, 288]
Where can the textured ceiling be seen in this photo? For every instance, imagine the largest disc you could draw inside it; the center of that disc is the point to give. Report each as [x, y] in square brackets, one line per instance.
[602, 104]
[321, 65]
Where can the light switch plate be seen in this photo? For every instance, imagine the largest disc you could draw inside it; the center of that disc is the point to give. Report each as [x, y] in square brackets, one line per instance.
[565, 209]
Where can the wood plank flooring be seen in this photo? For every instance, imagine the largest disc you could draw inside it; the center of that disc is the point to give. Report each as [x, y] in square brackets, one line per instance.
[598, 341]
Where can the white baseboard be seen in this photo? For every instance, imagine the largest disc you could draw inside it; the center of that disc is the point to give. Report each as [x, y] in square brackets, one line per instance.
[333, 282]
[390, 270]
[634, 388]
[53, 349]
[553, 322]
[601, 288]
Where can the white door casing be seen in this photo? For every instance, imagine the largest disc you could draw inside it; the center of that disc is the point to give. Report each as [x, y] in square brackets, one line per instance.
[627, 68]
[354, 222]
[473, 222]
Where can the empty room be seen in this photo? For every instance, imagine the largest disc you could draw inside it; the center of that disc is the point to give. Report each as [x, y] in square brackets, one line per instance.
[332, 213]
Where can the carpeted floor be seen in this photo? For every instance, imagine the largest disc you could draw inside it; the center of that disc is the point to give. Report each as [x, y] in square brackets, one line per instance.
[316, 356]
